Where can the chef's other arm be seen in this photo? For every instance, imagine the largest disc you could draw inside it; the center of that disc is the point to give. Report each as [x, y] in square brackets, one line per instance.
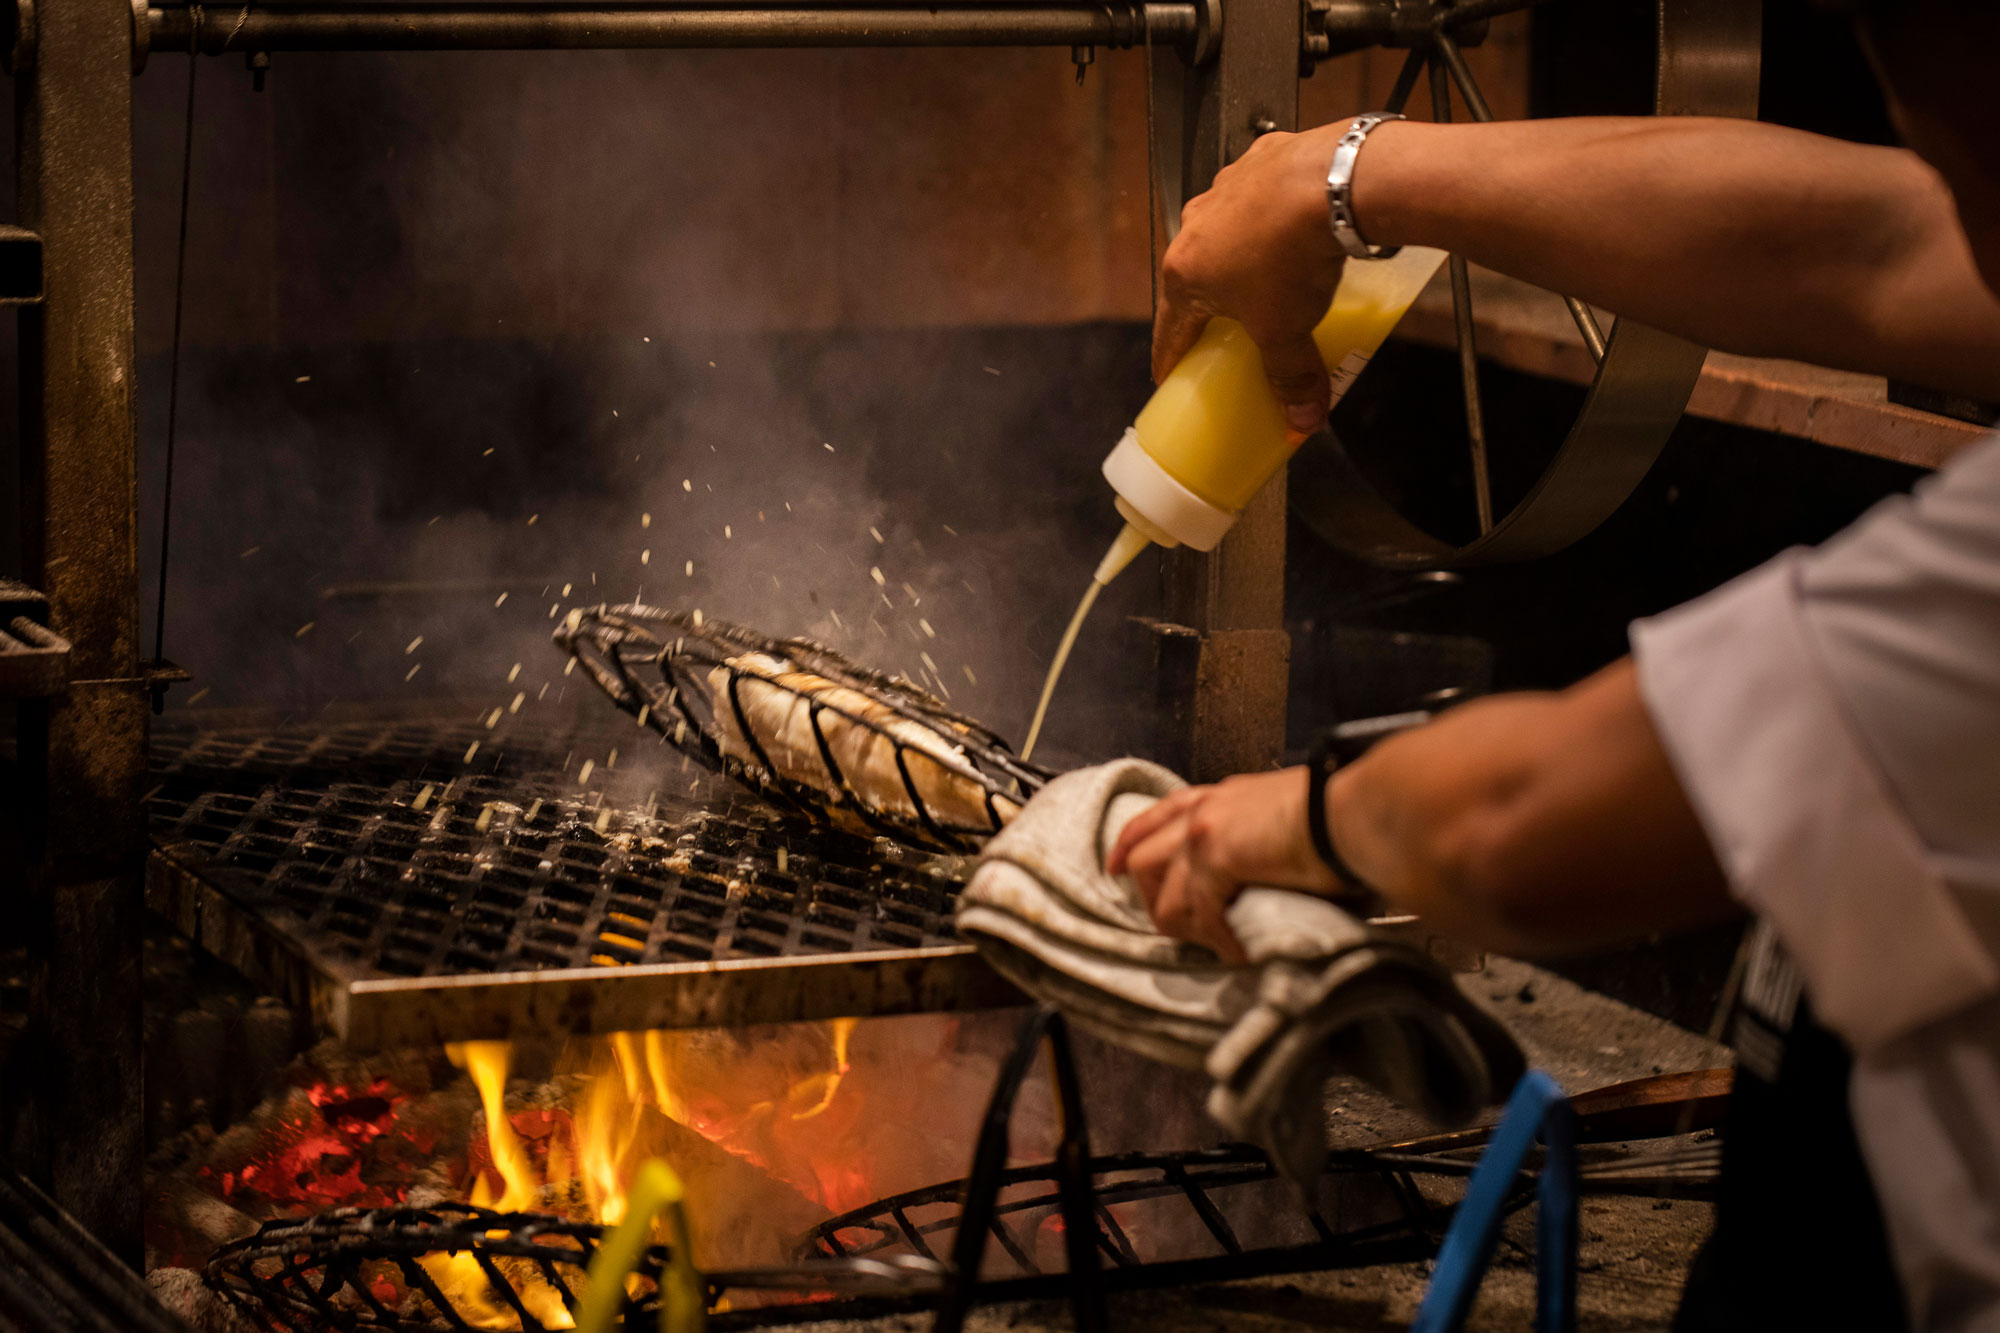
[1529, 824]
[1746, 237]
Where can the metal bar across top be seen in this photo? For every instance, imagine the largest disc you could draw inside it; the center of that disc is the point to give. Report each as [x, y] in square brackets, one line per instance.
[522, 27]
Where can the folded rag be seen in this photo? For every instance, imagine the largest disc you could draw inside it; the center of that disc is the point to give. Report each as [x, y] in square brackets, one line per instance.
[1322, 994]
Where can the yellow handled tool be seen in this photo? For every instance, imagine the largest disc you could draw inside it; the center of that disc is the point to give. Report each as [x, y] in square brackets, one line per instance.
[683, 1294]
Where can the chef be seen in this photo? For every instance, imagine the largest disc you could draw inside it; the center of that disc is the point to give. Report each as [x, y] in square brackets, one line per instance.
[1816, 744]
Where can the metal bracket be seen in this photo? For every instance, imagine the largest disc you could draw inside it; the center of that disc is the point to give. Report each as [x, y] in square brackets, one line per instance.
[160, 673]
[34, 659]
[1222, 696]
[1637, 397]
[1201, 48]
[1339, 27]
[1708, 54]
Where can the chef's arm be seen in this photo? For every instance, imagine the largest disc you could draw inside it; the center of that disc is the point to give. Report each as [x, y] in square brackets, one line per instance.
[1746, 237]
[1528, 824]
[1531, 824]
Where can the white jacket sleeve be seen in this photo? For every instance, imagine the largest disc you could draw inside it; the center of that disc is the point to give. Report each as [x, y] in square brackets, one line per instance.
[1835, 718]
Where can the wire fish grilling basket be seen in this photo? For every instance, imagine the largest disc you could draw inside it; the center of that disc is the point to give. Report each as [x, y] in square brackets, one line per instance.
[804, 726]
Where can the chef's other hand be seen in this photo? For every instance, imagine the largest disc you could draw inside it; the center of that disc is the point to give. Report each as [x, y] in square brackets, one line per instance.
[1258, 248]
[1194, 850]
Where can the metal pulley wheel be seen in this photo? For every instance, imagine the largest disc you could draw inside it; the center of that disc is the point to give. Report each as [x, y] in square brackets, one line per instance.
[1708, 63]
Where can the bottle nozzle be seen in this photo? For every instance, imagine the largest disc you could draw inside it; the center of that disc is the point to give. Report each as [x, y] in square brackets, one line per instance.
[1123, 552]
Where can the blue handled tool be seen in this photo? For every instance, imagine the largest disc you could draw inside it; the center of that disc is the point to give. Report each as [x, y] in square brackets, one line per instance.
[1537, 1109]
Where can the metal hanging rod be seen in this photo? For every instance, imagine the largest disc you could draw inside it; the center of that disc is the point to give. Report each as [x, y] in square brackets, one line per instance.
[1189, 24]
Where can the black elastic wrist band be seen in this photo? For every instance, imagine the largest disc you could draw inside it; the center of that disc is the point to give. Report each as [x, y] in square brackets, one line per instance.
[1320, 764]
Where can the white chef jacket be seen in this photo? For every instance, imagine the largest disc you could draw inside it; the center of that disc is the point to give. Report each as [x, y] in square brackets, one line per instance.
[1834, 716]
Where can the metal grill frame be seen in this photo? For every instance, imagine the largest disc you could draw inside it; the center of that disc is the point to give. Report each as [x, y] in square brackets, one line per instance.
[371, 1010]
[308, 1263]
[616, 644]
[311, 1273]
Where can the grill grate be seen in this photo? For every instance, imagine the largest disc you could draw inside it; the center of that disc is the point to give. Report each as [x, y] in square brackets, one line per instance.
[377, 850]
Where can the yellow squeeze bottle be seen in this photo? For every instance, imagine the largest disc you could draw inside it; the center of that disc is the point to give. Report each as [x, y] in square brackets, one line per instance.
[1213, 432]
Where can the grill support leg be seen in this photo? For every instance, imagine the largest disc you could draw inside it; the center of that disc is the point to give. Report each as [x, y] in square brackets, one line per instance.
[1228, 683]
[977, 1216]
[86, 749]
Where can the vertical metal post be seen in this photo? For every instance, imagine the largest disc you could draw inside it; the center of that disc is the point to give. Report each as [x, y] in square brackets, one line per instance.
[1223, 685]
[73, 108]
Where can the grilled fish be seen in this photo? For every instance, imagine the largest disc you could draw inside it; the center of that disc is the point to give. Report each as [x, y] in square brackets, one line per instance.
[862, 735]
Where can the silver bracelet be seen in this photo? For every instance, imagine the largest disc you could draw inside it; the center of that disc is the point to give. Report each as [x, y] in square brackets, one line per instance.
[1340, 188]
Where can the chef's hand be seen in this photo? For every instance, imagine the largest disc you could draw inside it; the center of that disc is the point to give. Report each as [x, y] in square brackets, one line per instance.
[1193, 851]
[1258, 248]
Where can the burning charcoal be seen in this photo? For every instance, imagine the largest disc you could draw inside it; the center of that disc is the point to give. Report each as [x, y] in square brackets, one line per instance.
[353, 1131]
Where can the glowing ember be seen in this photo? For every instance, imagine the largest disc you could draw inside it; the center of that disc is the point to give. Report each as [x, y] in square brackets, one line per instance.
[312, 1157]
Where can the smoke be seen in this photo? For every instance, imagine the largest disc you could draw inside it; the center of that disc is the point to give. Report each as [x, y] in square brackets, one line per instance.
[473, 339]
[814, 342]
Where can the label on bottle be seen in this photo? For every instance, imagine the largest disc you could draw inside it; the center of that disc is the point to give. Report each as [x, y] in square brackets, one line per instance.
[1344, 374]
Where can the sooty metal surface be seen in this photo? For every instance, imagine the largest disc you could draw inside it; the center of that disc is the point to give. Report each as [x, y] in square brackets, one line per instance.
[414, 881]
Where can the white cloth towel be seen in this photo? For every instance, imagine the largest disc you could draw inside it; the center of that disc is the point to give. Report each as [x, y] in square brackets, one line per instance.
[1321, 995]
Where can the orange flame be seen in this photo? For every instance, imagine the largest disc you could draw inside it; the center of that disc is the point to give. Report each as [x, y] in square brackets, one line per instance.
[487, 1063]
[458, 1274]
[843, 1029]
[631, 1084]
[770, 1128]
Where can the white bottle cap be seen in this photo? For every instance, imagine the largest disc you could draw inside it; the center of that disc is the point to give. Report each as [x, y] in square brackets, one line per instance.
[1150, 497]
